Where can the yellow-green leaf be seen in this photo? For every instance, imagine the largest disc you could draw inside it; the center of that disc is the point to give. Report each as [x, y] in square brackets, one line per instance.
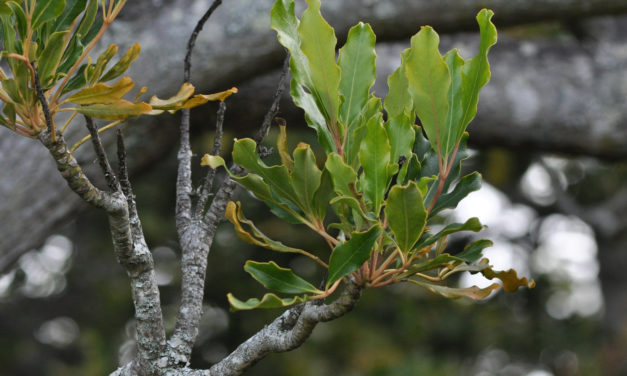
[118, 110]
[200, 99]
[103, 93]
[175, 102]
[268, 301]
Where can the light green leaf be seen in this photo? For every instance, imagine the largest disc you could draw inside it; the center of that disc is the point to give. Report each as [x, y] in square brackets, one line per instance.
[318, 44]
[398, 101]
[401, 136]
[473, 292]
[350, 255]
[45, 11]
[429, 84]
[358, 131]
[343, 176]
[118, 110]
[476, 72]
[305, 177]
[406, 214]
[123, 64]
[324, 195]
[103, 93]
[313, 116]
[268, 301]
[472, 224]
[374, 155]
[472, 252]
[51, 58]
[453, 119]
[464, 187]
[279, 279]
[357, 63]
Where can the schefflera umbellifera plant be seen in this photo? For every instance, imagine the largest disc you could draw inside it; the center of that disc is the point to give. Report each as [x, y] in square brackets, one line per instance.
[47, 43]
[382, 177]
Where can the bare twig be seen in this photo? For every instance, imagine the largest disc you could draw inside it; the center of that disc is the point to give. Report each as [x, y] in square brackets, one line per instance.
[192, 39]
[211, 174]
[112, 181]
[274, 108]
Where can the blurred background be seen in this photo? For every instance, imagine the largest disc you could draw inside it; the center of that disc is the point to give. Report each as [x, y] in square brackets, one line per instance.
[550, 140]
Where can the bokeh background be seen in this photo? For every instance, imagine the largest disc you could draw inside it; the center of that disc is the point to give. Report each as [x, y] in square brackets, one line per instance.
[550, 140]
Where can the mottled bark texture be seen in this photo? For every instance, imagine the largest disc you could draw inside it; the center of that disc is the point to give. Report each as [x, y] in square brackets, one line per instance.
[572, 107]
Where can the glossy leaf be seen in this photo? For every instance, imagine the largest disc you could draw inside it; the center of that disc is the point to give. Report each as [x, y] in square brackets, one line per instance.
[313, 116]
[429, 84]
[72, 53]
[473, 292]
[472, 224]
[103, 93]
[473, 251]
[343, 176]
[45, 11]
[357, 63]
[398, 101]
[510, 279]
[455, 98]
[305, 177]
[323, 195]
[279, 279]
[464, 187]
[317, 41]
[87, 21]
[268, 301]
[374, 155]
[51, 58]
[401, 136]
[358, 131]
[72, 10]
[119, 110]
[350, 255]
[406, 214]
[123, 64]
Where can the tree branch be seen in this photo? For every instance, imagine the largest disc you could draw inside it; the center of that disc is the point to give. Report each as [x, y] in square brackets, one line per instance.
[112, 181]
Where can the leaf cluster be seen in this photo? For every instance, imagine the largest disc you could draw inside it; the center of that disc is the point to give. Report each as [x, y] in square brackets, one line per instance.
[51, 40]
[385, 178]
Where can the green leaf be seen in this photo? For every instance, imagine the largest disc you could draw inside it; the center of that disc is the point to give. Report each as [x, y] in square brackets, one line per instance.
[476, 72]
[473, 292]
[72, 10]
[409, 171]
[443, 260]
[45, 11]
[318, 44]
[103, 93]
[324, 195]
[268, 301]
[398, 101]
[472, 224]
[343, 176]
[123, 64]
[357, 63]
[281, 145]
[279, 279]
[401, 136]
[473, 251]
[87, 21]
[429, 84]
[350, 255]
[51, 58]
[20, 21]
[406, 214]
[352, 203]
[277, 177]
[103, 61]
[313, 116]
[72, 53]
[305, 177]
[374, 155]
[453, 119]
[464, 187]
[358, 131]
[76, 82]
[119, 110]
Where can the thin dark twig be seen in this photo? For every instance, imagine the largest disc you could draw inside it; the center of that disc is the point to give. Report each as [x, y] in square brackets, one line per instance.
[112, 181]
[217, 149]
[274, 108]
[44, 104]
[192, 38]
[125, 182]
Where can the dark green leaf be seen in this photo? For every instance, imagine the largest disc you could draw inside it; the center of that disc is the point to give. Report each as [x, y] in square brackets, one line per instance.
[474, 250]
[72, 10]
[268, 301]
[76, 82]
[343, 176]
[73, 51]
[350, 255]
[45, 11]
[406, 214]
[88, 20]
[323, 195]
[472, 224]
[358, 131]
[51, 58]
[279, 279]
[20, 20]
[466, 185]
[374, 155]
[305, 177]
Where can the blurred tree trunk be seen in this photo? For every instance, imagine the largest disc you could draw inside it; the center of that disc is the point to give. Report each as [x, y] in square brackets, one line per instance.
[556, 94]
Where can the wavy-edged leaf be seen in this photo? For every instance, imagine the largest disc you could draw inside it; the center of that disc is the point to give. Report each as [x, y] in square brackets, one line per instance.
[471, 224]
[45, 11]
[398, 101]
[464, 187]
[358, 130]
[473, 292]
[357, 63]
[305, 177]
[401, 136]
[317, 41]
[350, 255]
[406, 214]
[119, 110]
[313, 115]
[409, 171]
[510, 279]
[343, 176]
[429, 84]
[200, 99]
[103, 93]
[279, 279]
[123, 64]
[323, 195]
[374, 155]
[268, 301]
[473, 251]
[51, 58]
[175, 101]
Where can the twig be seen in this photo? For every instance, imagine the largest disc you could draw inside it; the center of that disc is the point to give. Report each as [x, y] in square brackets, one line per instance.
[274, 108]
[44, 105]
[192, 39]
[211, 174]
[112, 181]
[127, 189]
